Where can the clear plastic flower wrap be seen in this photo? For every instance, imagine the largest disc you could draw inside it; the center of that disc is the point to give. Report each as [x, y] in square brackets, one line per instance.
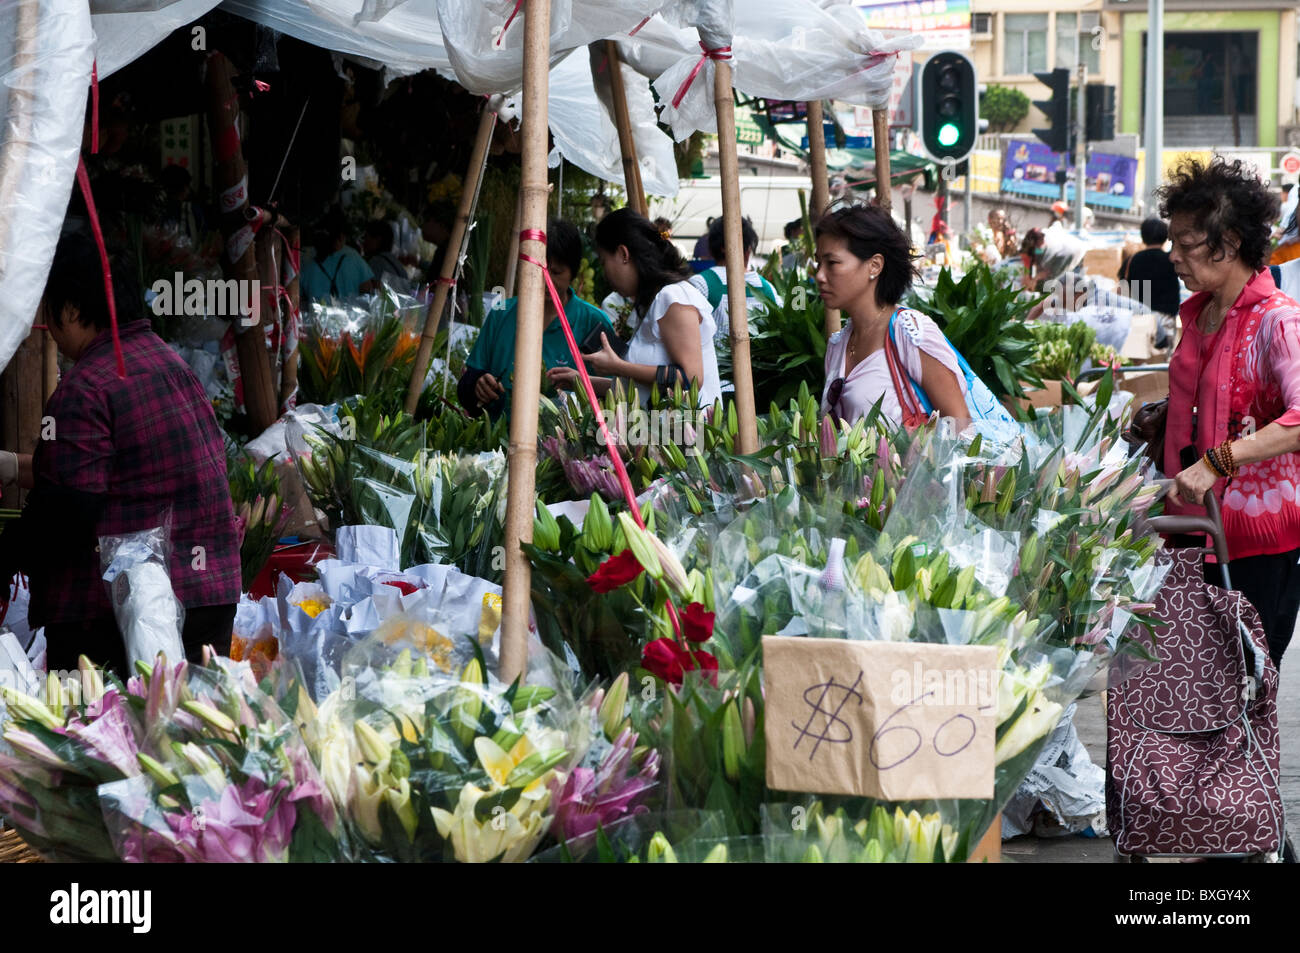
[226, 775]
[438, 766]
[148, 613]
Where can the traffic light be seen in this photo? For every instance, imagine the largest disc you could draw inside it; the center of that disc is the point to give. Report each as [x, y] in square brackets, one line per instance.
[949, 106]
[1057, 110]
[1100, 103]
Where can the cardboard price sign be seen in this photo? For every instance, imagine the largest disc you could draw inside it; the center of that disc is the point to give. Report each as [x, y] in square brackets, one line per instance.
[888, 720]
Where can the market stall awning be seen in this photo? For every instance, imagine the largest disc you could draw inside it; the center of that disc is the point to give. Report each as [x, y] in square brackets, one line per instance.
[859, 166]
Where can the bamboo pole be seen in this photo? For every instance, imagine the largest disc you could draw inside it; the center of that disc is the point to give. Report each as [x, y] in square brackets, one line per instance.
[880, 131]
[289, 378]
[821, 186]
[626, 142]
[228, 173]
[512, 263]
[526, 392]
[433, 316]
[738, 307]
[50, 365]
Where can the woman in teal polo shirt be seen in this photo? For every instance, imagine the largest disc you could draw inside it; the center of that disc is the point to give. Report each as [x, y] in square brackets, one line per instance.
[489, 371]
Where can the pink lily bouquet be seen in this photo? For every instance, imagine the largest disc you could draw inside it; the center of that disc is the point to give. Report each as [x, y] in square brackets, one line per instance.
[182, 764]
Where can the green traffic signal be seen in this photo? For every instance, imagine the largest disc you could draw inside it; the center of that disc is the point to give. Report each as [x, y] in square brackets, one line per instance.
[947, 103]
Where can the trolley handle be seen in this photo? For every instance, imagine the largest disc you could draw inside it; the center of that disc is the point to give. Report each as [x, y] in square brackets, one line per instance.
[1211, 525]
[1122, 369]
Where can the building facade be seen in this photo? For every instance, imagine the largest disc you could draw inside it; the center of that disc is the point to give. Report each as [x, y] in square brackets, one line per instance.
[1230, 66]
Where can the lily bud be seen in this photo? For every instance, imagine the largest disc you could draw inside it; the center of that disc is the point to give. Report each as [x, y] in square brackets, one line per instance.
[217, 719]
[373, 748]
[613, 707]
[660, 851]
[674, 572]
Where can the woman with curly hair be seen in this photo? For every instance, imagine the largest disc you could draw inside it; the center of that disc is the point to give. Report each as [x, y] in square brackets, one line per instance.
[1234, 384]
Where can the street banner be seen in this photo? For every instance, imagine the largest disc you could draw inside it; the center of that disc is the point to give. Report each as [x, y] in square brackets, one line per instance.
[1029, 168]
[942, 24]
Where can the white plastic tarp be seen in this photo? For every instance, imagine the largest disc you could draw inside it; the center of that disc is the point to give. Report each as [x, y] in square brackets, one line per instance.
[127, 29]
[485, 38]
[780, 49]
[46, 50]
[584, 131]
[403, 35]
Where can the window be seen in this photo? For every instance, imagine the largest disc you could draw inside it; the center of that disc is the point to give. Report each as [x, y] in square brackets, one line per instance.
[1078, 34]
[981, 24]
[1026, 43]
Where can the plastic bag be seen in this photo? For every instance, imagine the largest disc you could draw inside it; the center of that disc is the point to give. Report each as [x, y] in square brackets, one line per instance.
[148, 613]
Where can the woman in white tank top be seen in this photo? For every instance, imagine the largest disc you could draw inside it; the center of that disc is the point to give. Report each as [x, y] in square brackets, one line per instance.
[674, 339]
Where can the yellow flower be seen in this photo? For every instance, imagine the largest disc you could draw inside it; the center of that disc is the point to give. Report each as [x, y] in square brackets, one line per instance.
[509, 835]
[423, 637]
[313, 607]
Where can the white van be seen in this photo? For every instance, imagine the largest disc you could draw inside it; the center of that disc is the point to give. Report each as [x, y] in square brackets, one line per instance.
[769, 202]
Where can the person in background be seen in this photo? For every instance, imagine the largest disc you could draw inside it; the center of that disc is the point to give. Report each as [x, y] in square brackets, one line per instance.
[377, 246]
[1004, 236]
[130, 453]
[488, 378]
[864, 267]
[790, 250]
[1060, 215]
[673, 343]
[701, 252]
[712, 282]
[338, 270]
[665, 227]
[1233, 422]
[1049, 254]
[1149, 277]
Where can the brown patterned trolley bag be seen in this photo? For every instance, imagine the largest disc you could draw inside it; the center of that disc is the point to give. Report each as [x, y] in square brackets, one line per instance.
[1192, 753]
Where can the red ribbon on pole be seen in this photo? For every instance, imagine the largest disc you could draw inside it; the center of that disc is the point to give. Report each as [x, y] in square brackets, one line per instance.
[509, 20]
[83, 180]
[721, 53]
[619, 469]
[94, 107]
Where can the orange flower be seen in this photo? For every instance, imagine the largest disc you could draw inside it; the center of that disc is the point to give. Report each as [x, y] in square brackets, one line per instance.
[406, 347]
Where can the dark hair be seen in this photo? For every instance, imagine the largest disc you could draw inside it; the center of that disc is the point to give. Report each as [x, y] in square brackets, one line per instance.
[1224, 198]
[77, 278]
[793, 228]
[564, 244]
[718, 238]
[381, 232]
[869, 230]
[1286, 187]
[656, 259]
[1154, 231]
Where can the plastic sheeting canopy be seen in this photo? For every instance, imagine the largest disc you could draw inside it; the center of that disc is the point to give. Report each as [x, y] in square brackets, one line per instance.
[46, 51]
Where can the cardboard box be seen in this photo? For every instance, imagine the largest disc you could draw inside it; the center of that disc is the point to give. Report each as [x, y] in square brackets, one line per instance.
[1145, 387]
[1140, 345]
[1103, 262]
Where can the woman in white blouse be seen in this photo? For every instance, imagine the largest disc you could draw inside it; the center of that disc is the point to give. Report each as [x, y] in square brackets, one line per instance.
[864, 267]
[673, 342]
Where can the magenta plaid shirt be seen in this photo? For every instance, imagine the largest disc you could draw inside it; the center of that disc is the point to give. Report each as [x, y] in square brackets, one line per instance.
[148, 442]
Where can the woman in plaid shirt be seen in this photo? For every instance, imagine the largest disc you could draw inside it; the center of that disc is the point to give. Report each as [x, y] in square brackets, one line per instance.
[118, 455]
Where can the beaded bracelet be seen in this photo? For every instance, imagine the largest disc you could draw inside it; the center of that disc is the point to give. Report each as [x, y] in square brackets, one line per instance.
[1211, 460]
[1225, 449]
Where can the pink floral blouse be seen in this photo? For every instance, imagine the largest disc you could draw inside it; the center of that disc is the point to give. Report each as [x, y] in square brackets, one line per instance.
[1240, 379]
[914, 332]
